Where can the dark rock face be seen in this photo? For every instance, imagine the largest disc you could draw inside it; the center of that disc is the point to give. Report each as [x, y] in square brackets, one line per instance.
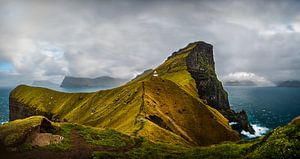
[157, 120]
[18, 110]
[242, 120]
[47, 127]
[200, 64]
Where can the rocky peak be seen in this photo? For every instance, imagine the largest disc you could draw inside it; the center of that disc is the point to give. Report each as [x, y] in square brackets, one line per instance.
[202, 53]
[200, 64]
[199, 51]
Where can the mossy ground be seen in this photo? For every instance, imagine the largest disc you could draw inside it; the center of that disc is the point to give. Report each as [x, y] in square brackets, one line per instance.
[65, 131]
[106, 137]
[282, 142]
[93, 136]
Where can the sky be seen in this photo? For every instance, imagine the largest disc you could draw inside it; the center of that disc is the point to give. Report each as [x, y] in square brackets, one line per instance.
[46, 40]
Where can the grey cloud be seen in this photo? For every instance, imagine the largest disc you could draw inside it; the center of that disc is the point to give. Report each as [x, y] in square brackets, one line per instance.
[122, 38]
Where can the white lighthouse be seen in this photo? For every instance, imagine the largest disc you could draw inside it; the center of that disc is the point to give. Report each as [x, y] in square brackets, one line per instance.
[155, 74]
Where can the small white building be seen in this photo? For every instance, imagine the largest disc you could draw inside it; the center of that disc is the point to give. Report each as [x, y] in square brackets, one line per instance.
[155, 74]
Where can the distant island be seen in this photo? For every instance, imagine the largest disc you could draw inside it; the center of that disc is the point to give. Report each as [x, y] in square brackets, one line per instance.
[103, 81]
[293, 83]
[44, 83]
[240, 83]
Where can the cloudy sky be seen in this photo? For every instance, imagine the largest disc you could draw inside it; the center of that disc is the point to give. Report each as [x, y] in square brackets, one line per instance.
[45, 40]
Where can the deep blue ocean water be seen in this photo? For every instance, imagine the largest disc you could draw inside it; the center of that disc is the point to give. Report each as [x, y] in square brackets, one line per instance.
[4, 111]
[267, 107]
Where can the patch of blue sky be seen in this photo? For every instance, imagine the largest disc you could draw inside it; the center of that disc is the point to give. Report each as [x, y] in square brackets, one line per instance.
[57, 52]
[51, 50]
[6, 67]
[290, 28]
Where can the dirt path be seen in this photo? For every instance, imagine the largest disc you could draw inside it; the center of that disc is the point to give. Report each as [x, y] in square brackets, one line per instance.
[80, 149]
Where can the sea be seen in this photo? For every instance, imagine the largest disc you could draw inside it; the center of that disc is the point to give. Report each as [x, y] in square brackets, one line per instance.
[267, 107]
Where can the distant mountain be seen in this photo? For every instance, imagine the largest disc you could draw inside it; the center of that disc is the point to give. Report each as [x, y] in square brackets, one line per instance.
[44, 83]
[289, 84]
[240, 83]
[104, 81]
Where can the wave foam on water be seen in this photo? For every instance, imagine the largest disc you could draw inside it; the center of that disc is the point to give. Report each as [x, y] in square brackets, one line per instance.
[259, 131]
[1, 123]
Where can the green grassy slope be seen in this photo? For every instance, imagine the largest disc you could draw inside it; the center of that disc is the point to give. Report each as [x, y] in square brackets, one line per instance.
[282, 142]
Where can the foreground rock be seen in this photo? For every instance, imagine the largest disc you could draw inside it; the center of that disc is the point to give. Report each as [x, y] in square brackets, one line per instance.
[45, 139]
[35, 130]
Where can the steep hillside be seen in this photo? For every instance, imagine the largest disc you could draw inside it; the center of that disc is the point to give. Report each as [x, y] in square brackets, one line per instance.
[180, 106]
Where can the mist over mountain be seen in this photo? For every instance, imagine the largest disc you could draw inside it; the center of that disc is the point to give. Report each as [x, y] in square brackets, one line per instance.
[103, 81]
[246, 79]
[240, 83]
[292, 83]
[44, 83]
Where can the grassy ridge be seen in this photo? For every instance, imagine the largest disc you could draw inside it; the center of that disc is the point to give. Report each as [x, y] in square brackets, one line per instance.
[127, 109]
